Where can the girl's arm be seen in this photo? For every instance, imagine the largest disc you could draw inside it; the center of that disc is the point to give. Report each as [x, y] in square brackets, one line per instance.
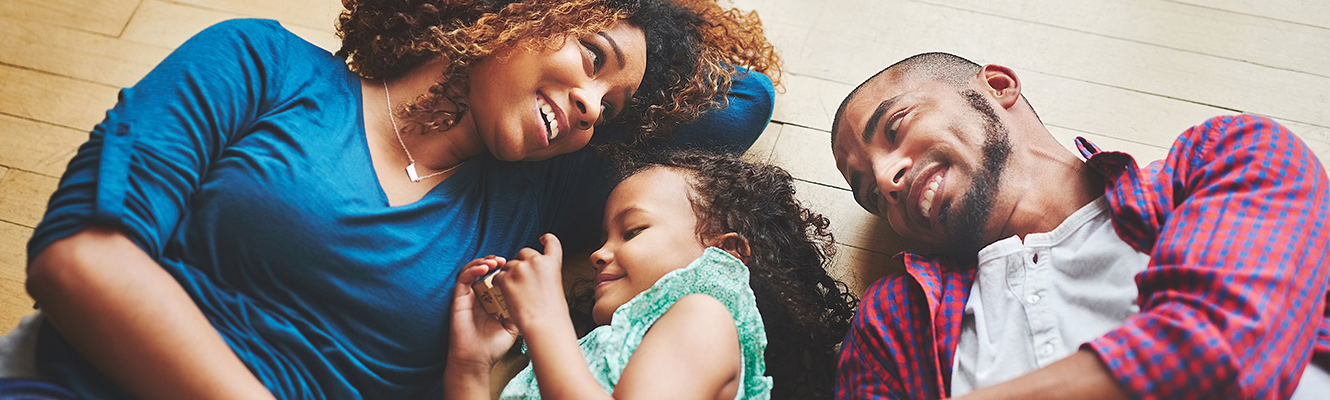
[677, 359]
[132, 320]
[691, 352]
[477, 341]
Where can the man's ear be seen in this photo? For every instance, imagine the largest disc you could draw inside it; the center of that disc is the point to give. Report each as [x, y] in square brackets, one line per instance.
[1001, 83]
[734, 244]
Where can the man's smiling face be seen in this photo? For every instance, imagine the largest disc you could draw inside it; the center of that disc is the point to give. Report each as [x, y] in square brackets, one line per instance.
[926, 155]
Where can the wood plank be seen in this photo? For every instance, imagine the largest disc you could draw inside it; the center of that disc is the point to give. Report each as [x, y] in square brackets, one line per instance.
[14, 300]
[23, 197]
[165, 24]
[312, 14]
[806, 153]
[1184, 27]
[1309, 12]
[36, 147]
[76, 54]
[882, 34]
[52, 99]
[809, 101]
[106, 17]
[850, 224]
[761, 150]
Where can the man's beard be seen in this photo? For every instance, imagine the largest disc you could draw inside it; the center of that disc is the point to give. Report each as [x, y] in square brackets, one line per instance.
[966, 226]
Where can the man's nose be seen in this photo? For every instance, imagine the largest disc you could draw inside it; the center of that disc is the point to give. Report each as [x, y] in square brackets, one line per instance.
[891, 180]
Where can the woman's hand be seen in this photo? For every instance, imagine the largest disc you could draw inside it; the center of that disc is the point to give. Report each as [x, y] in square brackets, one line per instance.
[532, 285]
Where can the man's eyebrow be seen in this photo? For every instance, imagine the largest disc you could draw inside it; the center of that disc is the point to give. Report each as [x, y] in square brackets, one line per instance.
[881, 110]
[615, 46]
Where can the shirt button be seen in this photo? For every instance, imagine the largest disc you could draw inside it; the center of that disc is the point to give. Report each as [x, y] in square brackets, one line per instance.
[1047, 350]
[1034, 298]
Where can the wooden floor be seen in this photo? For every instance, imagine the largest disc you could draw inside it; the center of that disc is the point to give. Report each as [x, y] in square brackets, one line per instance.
[1130, 75]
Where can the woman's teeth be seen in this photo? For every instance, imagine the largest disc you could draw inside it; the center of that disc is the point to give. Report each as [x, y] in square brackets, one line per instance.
[926, 204]
[551, 121]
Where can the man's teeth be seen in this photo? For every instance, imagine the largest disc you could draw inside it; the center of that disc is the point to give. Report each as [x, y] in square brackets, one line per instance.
[926, 204]
[551, 121]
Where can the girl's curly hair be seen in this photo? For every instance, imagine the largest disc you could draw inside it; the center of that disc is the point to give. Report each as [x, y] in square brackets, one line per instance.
[693, 47]
[806, 312]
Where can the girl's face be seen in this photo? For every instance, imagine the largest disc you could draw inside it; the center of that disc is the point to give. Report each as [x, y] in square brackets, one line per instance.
[651, 230]
[535, 105]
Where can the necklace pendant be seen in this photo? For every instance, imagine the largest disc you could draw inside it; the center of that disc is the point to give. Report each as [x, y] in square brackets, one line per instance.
[411, 172]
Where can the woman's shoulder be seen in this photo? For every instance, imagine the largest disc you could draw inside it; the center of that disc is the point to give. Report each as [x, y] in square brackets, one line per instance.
[263, 40]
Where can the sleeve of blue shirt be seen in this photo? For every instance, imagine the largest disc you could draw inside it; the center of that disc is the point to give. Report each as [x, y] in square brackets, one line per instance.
[140, 165]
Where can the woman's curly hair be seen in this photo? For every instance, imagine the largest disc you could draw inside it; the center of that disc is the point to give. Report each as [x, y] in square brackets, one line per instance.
[693, 47]
[806, 312]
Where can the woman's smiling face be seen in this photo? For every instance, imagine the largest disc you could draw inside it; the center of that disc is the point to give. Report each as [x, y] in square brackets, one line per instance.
[535, 105]
[651, 229]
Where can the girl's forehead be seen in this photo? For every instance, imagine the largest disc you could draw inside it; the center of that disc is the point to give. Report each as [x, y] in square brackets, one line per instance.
[655, 184]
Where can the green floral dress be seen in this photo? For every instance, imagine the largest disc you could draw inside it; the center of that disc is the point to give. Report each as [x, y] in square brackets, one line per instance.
[608, 348]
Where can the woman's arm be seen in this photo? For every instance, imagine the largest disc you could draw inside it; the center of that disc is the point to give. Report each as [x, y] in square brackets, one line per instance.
[132, 320]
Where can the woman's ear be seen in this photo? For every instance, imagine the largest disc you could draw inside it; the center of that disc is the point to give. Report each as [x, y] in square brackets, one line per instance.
[734, 244]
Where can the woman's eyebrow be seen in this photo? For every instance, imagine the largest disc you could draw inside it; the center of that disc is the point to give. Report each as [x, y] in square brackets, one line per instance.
[615, 46]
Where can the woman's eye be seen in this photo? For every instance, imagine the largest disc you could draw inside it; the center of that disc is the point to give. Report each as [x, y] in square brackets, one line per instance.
[632, 233]
[597, 57]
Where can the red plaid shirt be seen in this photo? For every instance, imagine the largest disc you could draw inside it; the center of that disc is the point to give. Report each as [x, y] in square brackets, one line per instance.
[1233, 303]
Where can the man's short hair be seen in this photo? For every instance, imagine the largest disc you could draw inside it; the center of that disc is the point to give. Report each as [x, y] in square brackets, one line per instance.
[948, 68]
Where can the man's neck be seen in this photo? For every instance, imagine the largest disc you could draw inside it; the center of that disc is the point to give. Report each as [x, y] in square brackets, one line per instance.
[1047, 183]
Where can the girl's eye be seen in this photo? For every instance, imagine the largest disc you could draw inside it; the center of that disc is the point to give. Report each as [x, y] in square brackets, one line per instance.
[632, 233]
[597, 57]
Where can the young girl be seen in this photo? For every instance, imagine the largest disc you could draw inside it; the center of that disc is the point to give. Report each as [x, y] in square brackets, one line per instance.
[707, 261]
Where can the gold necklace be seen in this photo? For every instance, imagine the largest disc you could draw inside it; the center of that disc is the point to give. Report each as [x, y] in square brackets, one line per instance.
[410, 168]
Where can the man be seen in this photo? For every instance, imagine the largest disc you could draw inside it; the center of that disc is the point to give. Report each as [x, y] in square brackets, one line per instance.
[1034, 274]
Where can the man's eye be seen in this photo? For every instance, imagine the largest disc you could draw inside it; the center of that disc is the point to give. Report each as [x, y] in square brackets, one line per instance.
[891, 129]
[632, 233]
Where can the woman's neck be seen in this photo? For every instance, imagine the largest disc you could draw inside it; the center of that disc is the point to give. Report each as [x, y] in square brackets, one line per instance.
[434, 155]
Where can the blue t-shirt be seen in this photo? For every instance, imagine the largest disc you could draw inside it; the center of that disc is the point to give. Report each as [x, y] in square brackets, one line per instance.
[240, 164]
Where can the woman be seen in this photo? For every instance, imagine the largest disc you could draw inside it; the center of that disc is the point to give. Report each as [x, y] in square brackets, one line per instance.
[255, 218]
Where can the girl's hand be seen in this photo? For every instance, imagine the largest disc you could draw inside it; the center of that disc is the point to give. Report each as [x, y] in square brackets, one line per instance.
[532, 285]
[478, 339]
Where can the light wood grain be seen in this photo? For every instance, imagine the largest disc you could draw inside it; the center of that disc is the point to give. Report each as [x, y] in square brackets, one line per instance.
[105, 17]
[1176, 26]
[76, 54]
[1309, 12]
[37, 147]
[53, 99]
[23, 197]
[14, 300]
[166, 24]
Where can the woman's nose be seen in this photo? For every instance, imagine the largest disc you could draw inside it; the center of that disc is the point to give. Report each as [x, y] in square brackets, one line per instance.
[586, 109]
